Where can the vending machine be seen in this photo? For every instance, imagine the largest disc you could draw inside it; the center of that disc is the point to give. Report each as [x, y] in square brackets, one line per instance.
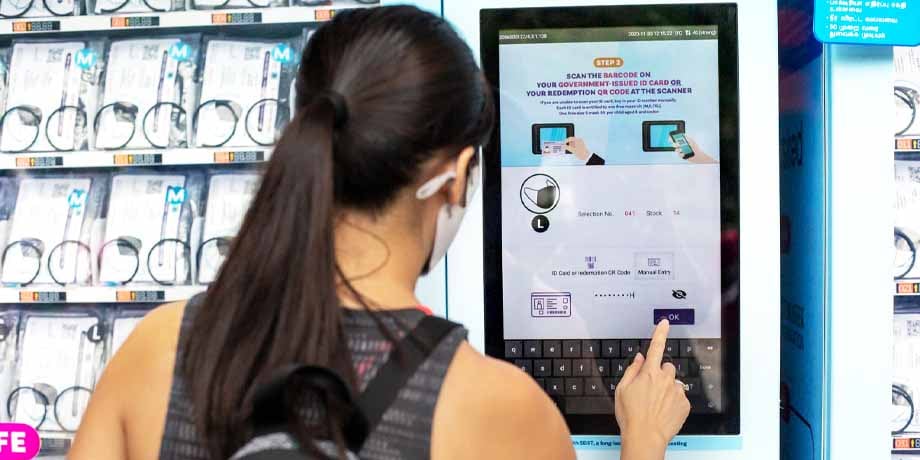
[132, 133]
[632, 176]
[849, 149]
[905, 386]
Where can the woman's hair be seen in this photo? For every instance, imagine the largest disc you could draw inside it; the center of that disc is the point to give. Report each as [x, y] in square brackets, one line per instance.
[407, 89]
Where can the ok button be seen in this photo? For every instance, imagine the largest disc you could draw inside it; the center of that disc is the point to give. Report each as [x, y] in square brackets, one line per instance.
[674, 316]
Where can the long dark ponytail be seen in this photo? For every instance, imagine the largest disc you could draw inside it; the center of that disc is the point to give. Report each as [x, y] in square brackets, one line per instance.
[411, 90]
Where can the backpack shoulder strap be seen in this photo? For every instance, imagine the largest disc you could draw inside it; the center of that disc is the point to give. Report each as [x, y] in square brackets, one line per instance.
[405, 359]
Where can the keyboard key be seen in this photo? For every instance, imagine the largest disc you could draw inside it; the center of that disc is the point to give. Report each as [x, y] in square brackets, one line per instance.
[555, 387]
[707, 371]
[541, 383]
[618, 367]
[532, 349]
[562, 367]
[702, 405]
[591, 348]
[602, 367]
[712, 387]
[610, 385]
[683, 367]
[589, 405]
[525, 365]
[513, 349]
[629, 348]
[610, 349]
[595, 387]
[687, 348]
[542, 368]
[672, 347]
[582, 367]
[574, 387]
[693, 386]
[709, 351]
[552, 349]
[571, 348]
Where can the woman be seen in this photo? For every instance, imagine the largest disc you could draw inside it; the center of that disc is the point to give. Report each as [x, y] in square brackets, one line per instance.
[364, 192]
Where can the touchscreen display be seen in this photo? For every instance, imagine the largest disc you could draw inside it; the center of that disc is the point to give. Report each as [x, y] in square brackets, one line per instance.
[552, 140]
[598, 246]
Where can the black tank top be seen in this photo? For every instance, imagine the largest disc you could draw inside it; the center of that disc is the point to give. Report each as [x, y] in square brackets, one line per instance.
[405, 429]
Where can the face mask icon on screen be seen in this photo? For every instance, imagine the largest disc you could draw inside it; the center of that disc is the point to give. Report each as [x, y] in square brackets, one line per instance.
[544, 197]
[540, 193]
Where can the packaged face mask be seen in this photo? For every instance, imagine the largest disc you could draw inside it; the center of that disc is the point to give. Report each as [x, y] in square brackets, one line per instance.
[9, 341]
[38, 8]
[137, 6]
[907, 91]
[906, 372]
[146, 99]
[52, 93]
[229, 196]
[221, 4]
[147, 226]
[61, 355]
[49, 235]
[244, 92]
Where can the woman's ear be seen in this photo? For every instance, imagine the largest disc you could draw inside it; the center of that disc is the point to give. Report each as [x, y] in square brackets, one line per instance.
[456, 191]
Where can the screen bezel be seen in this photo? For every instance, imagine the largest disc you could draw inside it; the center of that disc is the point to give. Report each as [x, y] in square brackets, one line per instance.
[535, 134]
[647, 133]
[723, 15]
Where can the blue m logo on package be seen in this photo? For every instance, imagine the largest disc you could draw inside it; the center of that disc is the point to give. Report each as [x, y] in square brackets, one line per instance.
[175, 195]
[180, 51]
[85, 58]
[283, 53]
[76, 198]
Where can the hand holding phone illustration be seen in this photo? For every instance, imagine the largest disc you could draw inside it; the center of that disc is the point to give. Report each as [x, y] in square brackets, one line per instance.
[687, 149]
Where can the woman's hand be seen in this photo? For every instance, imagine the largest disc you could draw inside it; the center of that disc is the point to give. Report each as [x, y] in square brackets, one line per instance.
[651, 405]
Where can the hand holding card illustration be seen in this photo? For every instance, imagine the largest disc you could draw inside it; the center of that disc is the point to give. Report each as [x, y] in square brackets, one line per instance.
[577, 146]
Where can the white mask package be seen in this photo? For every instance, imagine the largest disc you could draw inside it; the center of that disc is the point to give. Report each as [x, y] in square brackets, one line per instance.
[60, 355]
[907, 91]
[147, 229]
[906, 375]
[222, 4]
[148, 93]
[52, 91]
[48, 240]
[103, 7]
[9, 341]
[229, 196]
[38, 8]
[244, 91]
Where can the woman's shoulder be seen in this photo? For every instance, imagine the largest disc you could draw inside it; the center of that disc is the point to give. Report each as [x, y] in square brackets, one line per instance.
[132, 396]
[487, 399]
[149, 353]
[156, 333]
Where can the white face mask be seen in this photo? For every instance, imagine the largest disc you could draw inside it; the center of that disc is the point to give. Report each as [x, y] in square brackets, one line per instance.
[449, 216]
